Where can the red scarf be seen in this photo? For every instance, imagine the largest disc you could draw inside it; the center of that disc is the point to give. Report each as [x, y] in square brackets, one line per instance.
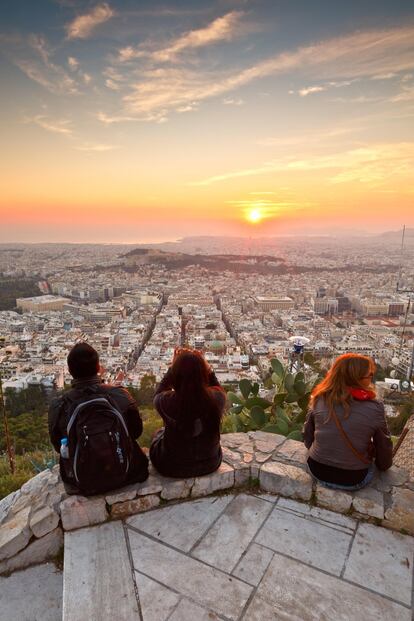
[360, 394]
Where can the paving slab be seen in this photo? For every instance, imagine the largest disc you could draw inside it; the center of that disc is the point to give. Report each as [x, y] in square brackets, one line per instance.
[225, 542]
[253, 564]
[188, 611]
[291, 591]
[34, 594]
[382, 561]
[312, 542]
[335, 520]
[156, 601]
[181, 525]
[208, 587]
[98, 581]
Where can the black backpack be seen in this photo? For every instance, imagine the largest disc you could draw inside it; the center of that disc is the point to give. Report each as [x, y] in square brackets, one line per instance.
[100, 447]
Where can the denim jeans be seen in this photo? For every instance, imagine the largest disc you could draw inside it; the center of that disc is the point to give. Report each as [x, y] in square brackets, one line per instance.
[350, 488]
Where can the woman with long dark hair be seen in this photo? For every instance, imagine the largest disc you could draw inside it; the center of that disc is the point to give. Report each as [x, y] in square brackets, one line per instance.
[191, 402]
[346, 430]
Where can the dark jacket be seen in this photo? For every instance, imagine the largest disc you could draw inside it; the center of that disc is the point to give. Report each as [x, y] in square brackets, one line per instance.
[60, 410]
[183, 451]
[365, 427]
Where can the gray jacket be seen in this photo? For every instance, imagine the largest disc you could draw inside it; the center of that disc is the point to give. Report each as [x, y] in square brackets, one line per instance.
[365, 427]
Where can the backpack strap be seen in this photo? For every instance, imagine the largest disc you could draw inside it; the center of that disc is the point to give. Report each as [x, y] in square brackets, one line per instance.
[88, 402]
[347, 440]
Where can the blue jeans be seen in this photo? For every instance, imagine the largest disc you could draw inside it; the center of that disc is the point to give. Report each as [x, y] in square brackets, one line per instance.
[350, 488]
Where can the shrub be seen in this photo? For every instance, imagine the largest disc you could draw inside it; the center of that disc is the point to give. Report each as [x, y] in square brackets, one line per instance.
[284, 415]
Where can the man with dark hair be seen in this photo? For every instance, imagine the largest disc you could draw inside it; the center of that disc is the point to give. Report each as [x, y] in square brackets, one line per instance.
[94, 427]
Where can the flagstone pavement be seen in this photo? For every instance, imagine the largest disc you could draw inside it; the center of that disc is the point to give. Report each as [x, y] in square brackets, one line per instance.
[228, 558]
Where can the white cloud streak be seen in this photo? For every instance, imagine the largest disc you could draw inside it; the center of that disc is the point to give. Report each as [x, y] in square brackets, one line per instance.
[223, 28]
[371, 165]
[350, 57]
[41, 69]
[83, 26]
[62, 126]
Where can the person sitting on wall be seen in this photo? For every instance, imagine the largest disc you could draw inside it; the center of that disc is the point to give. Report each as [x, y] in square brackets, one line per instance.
[191, 402]
[345, 430]
[94, 427]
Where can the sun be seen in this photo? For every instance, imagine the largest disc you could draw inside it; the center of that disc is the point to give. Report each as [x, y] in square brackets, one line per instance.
[254, 215]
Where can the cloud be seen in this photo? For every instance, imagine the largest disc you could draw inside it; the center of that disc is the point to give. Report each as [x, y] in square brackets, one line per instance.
[221, 29]
[83, 25]
[311, 89]
[342, 60]
[41, 69]
[56, 126]
[371, 165]
[111, 84]
[96, 148]
[230, 101]
[73, 63]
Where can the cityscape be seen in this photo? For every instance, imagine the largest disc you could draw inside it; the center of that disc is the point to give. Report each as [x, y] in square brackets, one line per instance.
[135, 305]
[206, 310]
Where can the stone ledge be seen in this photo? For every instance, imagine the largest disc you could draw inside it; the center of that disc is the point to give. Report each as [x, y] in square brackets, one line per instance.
[33, 518]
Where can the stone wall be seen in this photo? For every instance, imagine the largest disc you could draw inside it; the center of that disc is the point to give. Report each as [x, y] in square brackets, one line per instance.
[33, 519]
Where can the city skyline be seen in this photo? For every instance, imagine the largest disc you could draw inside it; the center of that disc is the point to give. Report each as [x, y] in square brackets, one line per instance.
[130, 123]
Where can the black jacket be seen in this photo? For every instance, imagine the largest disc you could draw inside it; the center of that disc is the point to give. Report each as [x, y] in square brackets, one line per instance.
[180, 450]
[60, 410]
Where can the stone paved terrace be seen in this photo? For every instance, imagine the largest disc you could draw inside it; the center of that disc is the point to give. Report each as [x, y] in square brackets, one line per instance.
[238, 556]
[271, 546]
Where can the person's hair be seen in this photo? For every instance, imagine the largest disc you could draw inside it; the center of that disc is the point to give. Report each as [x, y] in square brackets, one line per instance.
[190, 380]
[83, 361]
[346, 372]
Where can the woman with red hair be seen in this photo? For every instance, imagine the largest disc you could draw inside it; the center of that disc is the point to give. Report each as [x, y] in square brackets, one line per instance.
[345, 430]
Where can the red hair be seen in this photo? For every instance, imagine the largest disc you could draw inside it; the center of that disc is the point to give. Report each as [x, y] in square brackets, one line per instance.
[346, 372]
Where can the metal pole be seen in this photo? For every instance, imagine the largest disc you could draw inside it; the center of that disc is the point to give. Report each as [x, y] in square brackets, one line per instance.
[6, 429]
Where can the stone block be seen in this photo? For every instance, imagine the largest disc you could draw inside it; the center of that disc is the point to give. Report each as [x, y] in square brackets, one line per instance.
[152, 485]
[222, 478]
[174, 489]
[266, 442]
[131, 507]
[44, 521]
[369, 501]
[262, 457]
[292, 451]
[400, 515]
[121, 496]
[241, 475]
[231, 457]
[393, 477]
[38, 551]
[6, 503]
[286, 480]
[233, 440]
[333, 499]
[79, 511]
[14, 534]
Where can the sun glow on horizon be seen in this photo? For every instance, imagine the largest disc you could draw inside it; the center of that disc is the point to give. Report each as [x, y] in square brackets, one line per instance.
[254, 215]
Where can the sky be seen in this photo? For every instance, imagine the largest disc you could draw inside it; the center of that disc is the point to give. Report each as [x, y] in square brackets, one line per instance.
[136, 121]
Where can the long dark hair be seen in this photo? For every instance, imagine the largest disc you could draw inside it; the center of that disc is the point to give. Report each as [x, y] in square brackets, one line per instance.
[190, 380]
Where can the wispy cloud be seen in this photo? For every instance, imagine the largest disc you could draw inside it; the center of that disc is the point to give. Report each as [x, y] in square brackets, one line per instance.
[232, 101]
[73, 62]
[221, 29]
[96, 148]
[59, 126]
[84, 25]
[371, 165]
[37, 64]
[340, 60]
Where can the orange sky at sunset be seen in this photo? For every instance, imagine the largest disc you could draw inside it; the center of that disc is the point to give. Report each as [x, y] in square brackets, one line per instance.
[148, 124]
